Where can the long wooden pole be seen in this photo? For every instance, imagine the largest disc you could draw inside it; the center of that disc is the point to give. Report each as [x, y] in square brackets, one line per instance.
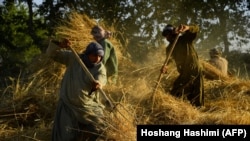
[166, 60]
[165, 63]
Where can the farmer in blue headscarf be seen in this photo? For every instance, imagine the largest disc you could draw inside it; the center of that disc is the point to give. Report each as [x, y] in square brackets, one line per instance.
[79, 115]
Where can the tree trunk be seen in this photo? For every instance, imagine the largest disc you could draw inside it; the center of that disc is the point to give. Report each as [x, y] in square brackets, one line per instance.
[30, 21]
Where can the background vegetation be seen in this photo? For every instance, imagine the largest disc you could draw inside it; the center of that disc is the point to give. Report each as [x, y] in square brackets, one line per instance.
[30, 81]
[25, 25]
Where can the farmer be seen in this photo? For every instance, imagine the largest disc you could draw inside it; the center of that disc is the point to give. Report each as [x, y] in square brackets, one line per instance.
[189, 83]
[218, 61]
[79, 116]
[110, 60]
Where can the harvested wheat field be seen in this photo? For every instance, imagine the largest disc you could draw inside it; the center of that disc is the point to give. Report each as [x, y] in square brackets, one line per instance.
[29, 103]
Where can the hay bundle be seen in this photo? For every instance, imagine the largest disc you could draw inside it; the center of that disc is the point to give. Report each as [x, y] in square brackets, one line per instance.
[77, 29]
[211, 72]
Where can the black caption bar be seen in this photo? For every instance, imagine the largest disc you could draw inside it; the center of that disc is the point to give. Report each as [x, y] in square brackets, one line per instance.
[185, 132]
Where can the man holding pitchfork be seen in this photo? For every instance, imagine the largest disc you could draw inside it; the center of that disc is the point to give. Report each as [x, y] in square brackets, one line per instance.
[189, 84]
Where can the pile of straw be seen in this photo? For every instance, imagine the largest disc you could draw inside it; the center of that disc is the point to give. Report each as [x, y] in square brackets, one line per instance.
[77, 30]
[211, 72]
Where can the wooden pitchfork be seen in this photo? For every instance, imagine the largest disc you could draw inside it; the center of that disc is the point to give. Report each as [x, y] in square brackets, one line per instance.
[165, 63]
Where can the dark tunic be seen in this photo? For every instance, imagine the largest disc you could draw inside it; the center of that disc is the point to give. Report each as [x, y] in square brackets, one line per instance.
[189, 83]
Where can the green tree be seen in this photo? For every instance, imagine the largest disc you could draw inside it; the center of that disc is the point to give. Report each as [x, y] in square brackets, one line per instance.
[139, 23]
[17, 46]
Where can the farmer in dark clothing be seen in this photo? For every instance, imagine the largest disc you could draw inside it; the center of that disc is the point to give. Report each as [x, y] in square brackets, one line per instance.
[79, 115]
[189, 83]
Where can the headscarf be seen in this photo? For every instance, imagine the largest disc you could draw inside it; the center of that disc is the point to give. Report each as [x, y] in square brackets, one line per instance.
[92, 48]
[214, 52]
[98, 32]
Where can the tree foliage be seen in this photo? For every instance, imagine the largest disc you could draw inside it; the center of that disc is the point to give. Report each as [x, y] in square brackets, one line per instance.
[17, 45]
[137, 23]
[223, 23]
